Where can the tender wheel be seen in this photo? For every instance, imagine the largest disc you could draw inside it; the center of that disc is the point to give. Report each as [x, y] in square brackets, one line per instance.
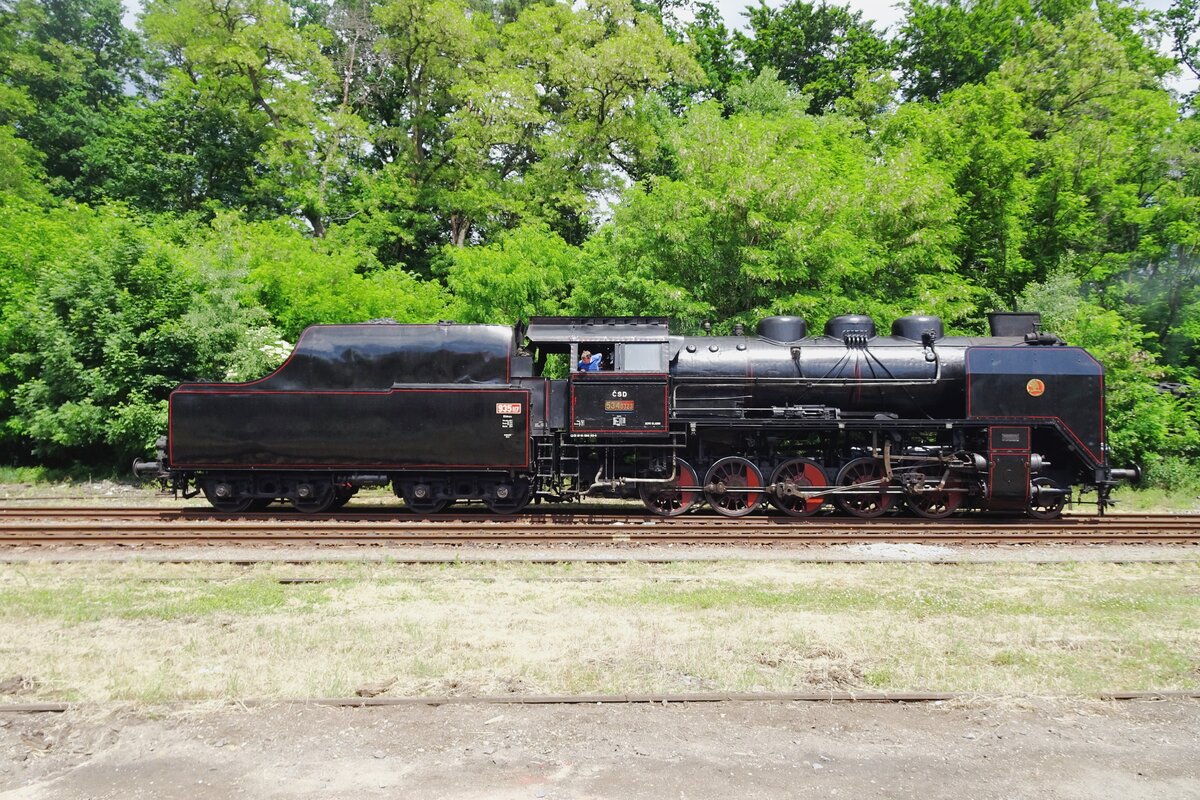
[420, 499]
[313, 497]
[222, 497]
[342, 494]
[508, 498]
[864, 471]
[800, 474]
[665, 500]
[735, 473]
[934, 503]
[1048, 506]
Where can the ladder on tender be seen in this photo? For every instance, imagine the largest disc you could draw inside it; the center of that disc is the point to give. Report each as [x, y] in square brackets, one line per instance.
[556, 465]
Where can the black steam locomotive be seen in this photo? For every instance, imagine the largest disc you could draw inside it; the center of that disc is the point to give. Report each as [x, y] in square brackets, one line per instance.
[450, 412]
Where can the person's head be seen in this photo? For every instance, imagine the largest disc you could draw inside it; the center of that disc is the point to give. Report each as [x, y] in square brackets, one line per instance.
[585, 355]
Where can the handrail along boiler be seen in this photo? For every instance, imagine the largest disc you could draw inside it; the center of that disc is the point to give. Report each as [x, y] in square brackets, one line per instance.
[447, 412]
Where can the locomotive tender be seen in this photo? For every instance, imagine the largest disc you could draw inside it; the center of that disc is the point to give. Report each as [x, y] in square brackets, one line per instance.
[452, 412]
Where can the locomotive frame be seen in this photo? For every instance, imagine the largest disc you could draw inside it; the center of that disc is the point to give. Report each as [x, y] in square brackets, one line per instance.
[445, 413]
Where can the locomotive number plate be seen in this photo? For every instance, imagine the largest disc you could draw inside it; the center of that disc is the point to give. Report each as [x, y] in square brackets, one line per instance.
[508, 408]
[618, 405]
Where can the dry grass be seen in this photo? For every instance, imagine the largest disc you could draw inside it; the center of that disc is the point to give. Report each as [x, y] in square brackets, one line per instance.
[153, 633]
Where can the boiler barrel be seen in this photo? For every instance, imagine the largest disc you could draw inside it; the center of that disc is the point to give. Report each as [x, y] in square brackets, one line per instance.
[884, 374]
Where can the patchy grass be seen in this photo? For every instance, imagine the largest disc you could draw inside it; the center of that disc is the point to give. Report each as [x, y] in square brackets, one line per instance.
[1155, 499]
[153, 633]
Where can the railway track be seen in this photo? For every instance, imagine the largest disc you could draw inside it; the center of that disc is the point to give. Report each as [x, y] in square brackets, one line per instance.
[174, 526]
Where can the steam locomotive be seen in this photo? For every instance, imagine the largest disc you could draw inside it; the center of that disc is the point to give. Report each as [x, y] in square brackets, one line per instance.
[444, 413]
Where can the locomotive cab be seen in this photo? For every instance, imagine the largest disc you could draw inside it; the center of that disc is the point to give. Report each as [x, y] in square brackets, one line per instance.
[628, 393]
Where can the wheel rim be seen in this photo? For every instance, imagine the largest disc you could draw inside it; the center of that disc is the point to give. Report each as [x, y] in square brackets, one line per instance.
[733, 472]
[936, 504]
[801, 474]
[859, 471]
[517, 498]
[427, 506]
[1050, 508]
[667, 501]
[231, 505]
[320, 499]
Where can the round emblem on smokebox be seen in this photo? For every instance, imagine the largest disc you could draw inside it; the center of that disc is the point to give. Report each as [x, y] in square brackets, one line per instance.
[1035, 387]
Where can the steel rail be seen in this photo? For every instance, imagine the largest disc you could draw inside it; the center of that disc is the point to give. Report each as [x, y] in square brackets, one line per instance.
[175, 526]
[629, 699]
[572, 536]
[574, 515]
[803, 528]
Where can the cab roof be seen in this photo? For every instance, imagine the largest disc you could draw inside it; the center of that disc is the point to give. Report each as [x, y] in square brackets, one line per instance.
[597, 329]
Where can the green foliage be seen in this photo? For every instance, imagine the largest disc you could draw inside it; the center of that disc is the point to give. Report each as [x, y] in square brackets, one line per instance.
[1182, 21]
[946, 44]
[301, 281]
[1144, 424]
[103, 319]
[21, 174]
[779, 212]
[819, 49]
[716, 50]
[256, 166]
[527, 272]
[63, 66]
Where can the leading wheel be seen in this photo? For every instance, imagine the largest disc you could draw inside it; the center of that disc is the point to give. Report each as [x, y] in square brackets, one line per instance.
[508, 498]
[726, 485]
[1046, 506]
[935, 499]
[792, 477]
[873, 500]
[222, 497]
[666, 500]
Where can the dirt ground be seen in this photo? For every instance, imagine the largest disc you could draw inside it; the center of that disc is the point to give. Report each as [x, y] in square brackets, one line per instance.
[1043, 749]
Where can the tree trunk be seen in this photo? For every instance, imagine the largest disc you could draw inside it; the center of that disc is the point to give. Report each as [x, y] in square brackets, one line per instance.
[460, 226]
[318, 224]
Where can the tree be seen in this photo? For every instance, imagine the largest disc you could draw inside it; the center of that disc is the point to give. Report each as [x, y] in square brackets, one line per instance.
[176, 153]
[977, 133]
[105, 317]
[945, 44]
[63, 68]
[526, 272]
[1099, 120]
[302, 281]
[716, 50]
[1183, 26]
[251, 58]
[818, 49]
[779, 213]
